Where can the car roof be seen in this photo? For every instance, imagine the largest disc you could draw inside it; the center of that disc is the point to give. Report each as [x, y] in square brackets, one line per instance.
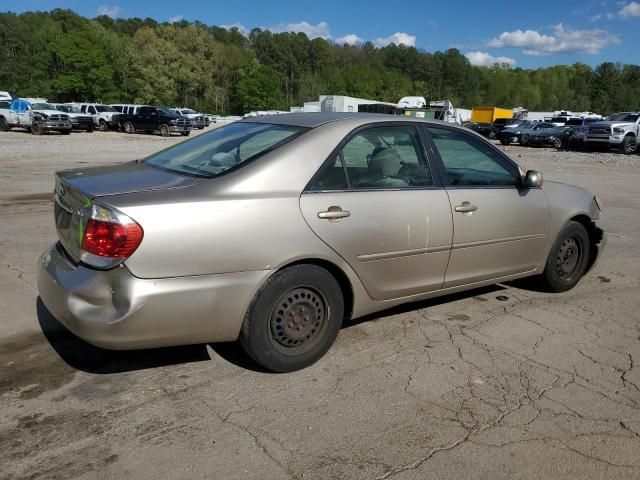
[315, 119]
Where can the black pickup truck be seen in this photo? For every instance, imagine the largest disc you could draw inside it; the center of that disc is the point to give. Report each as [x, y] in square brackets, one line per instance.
[148, 118]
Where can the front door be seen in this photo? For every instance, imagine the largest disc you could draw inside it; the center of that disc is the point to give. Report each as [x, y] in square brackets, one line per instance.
[500, 227]
[376, 204]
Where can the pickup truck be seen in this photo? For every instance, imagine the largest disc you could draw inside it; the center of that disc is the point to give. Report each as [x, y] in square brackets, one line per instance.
[150, 118]
[198, 120]
[36, 115]
[620, 130]
[79, 121]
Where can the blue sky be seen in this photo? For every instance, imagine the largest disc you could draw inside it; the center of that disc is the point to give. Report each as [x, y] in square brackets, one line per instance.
[526, 34]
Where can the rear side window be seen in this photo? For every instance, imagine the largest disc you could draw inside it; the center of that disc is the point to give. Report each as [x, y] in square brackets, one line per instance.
[470, 162]
[213, 153]
[377, 158]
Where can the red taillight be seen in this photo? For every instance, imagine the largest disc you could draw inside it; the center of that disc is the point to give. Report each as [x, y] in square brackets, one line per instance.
[110, 233]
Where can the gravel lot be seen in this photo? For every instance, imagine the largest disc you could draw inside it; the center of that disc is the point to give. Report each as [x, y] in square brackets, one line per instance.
[500, 383]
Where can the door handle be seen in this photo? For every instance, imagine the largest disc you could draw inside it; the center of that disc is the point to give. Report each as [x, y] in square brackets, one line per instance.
[334, 213]
[466, 207]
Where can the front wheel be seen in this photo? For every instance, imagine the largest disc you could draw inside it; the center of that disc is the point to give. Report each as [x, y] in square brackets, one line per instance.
[294, 318]
[4, 125]
[36, 129]
[165, 131]
[102, 126]
[568, 258]
[185, 134]
[557, 143]
[524, 140]
[505, 141]
[65, 132]
[629, 144]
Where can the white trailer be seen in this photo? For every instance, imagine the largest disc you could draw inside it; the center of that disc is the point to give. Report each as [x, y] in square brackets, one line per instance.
[341, 103]
[450, 113]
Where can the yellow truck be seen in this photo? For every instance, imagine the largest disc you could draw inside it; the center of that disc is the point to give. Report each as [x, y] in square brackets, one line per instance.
[489, 114]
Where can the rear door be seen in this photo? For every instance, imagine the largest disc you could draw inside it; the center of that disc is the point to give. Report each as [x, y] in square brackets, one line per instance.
[500, 227]
[377, 204]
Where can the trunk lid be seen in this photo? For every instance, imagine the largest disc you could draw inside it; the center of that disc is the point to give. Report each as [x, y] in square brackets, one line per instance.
[76, 189]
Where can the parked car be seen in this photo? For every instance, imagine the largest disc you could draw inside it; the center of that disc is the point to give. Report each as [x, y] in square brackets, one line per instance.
[79, 121]
[500, 124]
[523, 132]
[198, 120]
[579, 130]
[35, 115]
[156, 119]
[557, 137]
[274, 230]
[620, 130]
[104, 117]
[484, 129]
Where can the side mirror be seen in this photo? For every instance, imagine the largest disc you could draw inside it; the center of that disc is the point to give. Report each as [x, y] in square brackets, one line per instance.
[533, 179]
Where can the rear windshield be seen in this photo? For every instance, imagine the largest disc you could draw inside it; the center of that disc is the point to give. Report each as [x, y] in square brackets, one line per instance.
[574, 121]
[213, 153]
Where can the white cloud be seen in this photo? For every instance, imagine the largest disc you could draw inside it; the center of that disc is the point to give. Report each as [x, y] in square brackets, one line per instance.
[484, 59]
[241, 28]
[398, 38]
[320, 30]
[175, 19]
[562, 40]
[350, 39]
[630, 10]
[112, 11]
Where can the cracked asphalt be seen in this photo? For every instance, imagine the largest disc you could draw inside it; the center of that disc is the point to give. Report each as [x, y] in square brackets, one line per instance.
[505, 382]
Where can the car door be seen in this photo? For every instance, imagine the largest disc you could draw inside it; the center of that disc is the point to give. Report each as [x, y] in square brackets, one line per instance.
[500, 227]
[377, 204]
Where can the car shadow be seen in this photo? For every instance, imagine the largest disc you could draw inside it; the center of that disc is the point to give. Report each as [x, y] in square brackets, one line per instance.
[88, 358]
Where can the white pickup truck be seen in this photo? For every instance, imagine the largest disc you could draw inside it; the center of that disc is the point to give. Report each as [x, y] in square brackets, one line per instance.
[34, 114]
[620, 130]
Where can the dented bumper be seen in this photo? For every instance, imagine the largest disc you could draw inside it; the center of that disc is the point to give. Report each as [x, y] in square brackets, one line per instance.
[113, 309]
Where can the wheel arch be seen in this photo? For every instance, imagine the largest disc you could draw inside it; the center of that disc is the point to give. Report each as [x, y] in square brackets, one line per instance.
[338, 273]
[595, 236]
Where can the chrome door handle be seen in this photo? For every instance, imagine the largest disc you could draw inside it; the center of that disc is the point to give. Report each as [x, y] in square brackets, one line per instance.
[334, 213]
[466, 207]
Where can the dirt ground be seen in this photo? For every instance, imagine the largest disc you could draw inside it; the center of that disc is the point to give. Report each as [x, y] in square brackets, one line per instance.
[501, 383]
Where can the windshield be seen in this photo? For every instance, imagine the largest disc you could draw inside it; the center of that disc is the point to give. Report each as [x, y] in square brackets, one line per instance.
[215, 152]
[166, 111]
[105, 108]
[69, 108]
[574, 121]
[187, 110]
[43, 106]
[623, 117]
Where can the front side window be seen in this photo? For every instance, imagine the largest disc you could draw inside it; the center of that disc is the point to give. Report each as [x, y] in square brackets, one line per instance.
[379, 157]
[470, 162]
[215, 152]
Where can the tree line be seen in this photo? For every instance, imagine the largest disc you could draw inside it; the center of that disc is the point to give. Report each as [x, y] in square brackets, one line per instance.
[65, 57]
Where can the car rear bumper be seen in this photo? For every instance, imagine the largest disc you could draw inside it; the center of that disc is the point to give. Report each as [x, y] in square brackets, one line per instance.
[116, 310]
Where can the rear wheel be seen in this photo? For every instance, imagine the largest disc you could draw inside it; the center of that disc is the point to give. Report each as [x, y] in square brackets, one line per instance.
[505, 141]
[557, 143]
[4, 125]
[524, 140]
[185, 134]
[492, 135]
[165, 131]
[629, 144]
[294, 318]
[65, 132]
[568, 258]
[129, 128]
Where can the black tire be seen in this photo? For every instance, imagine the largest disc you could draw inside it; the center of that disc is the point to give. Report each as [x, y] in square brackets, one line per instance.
[557, 143]
[89, 130]
[492, 135]
[4, 125]
[129, 128]
[102, 126]
[65, 132]
[293, 319]
[629, 144]
[524, 140]
[505, 141]
[165, 131]
[36, 129]
[568, 258]
[185, 134]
